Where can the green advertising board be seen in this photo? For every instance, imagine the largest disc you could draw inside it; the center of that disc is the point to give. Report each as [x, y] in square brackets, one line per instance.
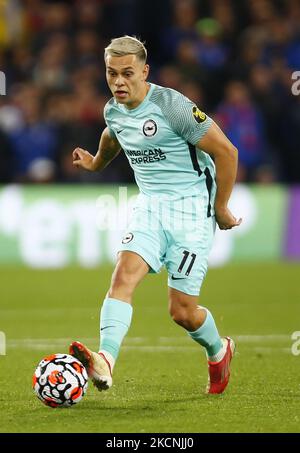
[57, 226]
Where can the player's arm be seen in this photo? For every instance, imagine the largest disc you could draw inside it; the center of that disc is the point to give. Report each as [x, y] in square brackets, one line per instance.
[108, 149]
[225, 156]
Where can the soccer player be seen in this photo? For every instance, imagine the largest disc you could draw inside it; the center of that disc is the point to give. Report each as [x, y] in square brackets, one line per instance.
[185, 168]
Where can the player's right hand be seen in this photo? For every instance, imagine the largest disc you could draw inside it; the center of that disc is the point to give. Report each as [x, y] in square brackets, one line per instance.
[83, 159]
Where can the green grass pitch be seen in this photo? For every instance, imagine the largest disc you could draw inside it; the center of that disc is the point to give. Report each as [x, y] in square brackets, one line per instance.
[160, 377]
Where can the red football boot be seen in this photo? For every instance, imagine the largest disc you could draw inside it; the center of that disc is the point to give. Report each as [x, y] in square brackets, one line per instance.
[219, 372]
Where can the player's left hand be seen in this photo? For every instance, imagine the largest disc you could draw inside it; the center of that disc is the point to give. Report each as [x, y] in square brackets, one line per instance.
[225, 219]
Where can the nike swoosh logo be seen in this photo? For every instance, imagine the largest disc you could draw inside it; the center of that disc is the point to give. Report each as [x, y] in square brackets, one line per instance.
[119, 132]
[177, 278]
[106, 327]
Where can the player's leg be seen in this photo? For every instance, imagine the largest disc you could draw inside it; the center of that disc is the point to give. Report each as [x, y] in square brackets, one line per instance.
[116, 311]
[197, 320]
[187, 261]
[130, 269]
[201, 327]
[141, 250]
[115, 319]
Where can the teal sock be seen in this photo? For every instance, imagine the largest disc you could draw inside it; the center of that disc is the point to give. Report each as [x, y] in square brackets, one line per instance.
[208, 336]
[115, 319]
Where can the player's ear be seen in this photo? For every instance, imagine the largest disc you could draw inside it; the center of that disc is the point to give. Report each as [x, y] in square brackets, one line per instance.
[146, 71]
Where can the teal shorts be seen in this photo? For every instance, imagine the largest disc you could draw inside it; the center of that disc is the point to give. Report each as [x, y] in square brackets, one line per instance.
[176, 238]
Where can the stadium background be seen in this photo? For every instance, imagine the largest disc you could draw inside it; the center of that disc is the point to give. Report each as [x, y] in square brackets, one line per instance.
[235, 60]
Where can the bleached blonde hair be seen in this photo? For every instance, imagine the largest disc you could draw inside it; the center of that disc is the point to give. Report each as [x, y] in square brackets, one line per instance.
[126, 45]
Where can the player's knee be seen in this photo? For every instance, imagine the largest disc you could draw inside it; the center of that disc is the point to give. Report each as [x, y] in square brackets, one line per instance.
[123, 279]
[180, 315]
[184, 312]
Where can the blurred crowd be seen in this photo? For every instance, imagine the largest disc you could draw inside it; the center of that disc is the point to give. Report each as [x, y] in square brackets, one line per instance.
[234, 59]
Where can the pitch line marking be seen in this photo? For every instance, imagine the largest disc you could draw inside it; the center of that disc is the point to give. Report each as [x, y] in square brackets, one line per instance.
[168, 344]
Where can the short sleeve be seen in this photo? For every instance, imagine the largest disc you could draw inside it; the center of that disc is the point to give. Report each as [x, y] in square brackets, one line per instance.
[185, 118]
[106, 115]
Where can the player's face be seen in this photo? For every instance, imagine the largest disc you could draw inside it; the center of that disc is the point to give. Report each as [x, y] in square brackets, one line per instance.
[126, 77]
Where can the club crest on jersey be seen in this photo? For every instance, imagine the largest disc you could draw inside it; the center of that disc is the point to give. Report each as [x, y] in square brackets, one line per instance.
[198, 115]
[149, 128]
[127, 238]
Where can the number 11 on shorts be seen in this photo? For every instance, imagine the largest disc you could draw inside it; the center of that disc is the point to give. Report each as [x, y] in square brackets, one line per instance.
[186, 254]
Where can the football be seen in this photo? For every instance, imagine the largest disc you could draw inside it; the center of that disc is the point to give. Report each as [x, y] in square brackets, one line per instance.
[60, 380]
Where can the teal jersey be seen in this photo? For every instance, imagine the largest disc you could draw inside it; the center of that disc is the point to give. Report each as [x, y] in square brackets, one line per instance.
[159, 138]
